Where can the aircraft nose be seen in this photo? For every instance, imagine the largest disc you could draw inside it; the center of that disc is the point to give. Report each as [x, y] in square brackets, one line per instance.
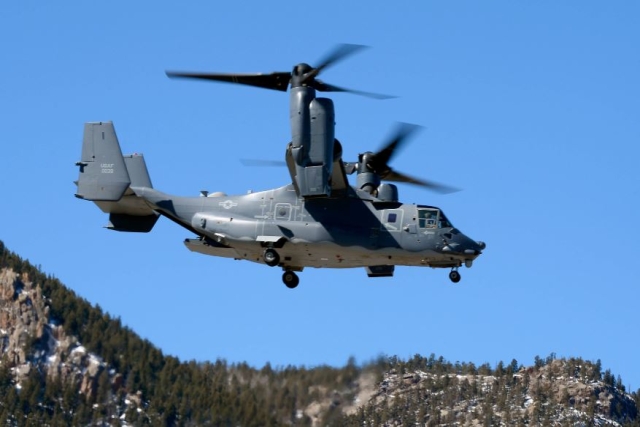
[473, 248]
[463, 244]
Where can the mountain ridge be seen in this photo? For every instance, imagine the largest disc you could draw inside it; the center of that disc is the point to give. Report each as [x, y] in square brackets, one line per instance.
[66, 362]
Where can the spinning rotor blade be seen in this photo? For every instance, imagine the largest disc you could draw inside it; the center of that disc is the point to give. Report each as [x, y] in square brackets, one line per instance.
[325, 87]
[431, 185]
[262, 163]
[403, 132]
[275, 81]
[378, 162]
[339, 53]
[302, 75]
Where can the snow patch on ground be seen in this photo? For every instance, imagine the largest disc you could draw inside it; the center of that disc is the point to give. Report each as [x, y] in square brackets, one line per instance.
[52, 359]
[96, 360]
[79, 349]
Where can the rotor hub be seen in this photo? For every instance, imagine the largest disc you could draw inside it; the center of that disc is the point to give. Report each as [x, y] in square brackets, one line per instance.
[302, 75]
[301, 69]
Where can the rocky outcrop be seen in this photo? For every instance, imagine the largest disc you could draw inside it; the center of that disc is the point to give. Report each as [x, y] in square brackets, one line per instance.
[24, 320]
[544, 394]
[23, 317]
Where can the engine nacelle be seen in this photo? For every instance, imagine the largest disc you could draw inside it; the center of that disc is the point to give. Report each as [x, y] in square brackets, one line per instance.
[312, 145]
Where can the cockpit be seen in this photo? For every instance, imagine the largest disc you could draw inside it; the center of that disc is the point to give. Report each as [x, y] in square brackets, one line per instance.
[432, 218]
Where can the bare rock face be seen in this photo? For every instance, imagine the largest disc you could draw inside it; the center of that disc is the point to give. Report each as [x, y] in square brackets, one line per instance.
[7, 280]
[23, 316]
[560, 392]
[31, 343]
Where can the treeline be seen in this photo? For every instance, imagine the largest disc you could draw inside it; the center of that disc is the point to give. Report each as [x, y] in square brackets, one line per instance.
[461, 393]
[573, 367]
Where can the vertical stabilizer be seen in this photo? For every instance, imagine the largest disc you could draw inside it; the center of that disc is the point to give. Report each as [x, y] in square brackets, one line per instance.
[137, 169]
[103, 173]
[106, 177]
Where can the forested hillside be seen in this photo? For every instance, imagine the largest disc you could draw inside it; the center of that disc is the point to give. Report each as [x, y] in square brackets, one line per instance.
[565, 392]
[66, 362]
[132, 380]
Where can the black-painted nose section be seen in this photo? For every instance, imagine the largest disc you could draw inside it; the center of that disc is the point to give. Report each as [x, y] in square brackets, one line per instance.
[458, 242]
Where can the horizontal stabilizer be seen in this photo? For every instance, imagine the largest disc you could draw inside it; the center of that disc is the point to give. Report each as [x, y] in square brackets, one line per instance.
[123, 222]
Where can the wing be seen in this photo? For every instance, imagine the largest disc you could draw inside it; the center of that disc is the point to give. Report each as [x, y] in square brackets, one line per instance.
[339, 182]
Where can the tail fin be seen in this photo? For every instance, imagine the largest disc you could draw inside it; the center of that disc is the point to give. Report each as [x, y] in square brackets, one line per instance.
[103, 173]
[106, 178]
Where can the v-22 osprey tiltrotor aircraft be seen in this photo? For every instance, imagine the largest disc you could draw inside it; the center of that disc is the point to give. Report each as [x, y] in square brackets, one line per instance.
[319, 220]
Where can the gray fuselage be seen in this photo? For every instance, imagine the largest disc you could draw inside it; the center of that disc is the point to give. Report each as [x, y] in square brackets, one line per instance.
[354, 231]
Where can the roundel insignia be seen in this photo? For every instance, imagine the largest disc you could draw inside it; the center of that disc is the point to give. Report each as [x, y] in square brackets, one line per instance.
[228, 204]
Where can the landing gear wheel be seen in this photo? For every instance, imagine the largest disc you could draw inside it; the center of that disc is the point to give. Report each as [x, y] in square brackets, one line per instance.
[290, 279]
[454, 276]
[271, 257]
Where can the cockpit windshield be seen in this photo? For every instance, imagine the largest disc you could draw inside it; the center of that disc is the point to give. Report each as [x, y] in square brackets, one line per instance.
[443, 221]
[432, 218]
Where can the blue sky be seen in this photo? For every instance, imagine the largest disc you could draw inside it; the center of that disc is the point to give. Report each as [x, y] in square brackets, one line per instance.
[531, 107]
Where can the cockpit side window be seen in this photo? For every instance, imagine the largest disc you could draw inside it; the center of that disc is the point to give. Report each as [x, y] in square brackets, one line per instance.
[432, 218]
[427, 218]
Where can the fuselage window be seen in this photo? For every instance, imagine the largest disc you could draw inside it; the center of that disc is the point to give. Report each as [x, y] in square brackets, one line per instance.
[283, 211]
[391, 220]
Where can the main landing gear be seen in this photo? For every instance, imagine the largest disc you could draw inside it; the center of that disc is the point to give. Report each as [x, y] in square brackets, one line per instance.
[272, 258]
[454, 276]
[290, 279]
